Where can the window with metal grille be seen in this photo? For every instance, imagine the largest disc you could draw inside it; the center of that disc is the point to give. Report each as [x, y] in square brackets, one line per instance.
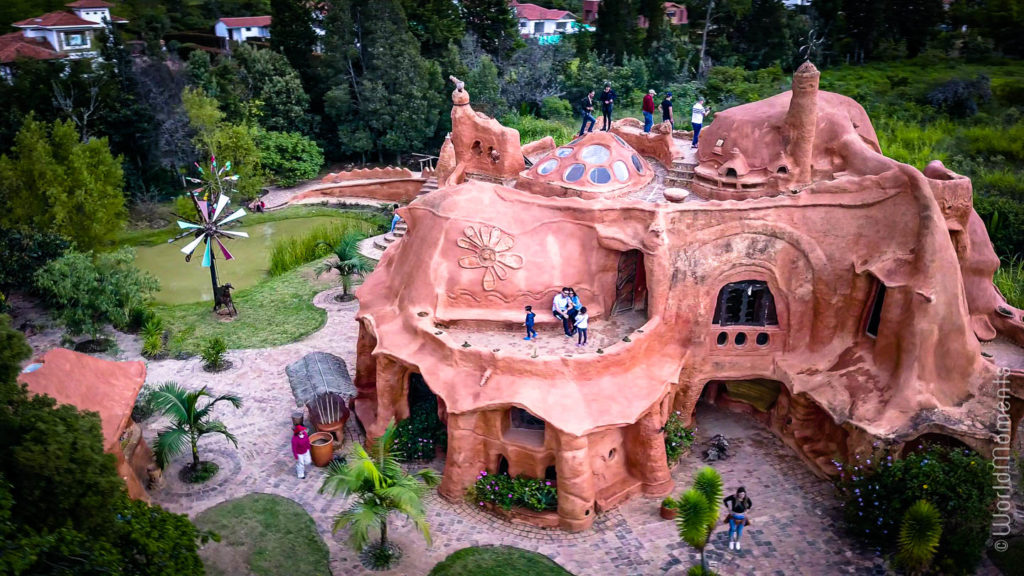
[747, 303]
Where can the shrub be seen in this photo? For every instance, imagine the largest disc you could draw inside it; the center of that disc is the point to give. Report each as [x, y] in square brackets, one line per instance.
[152, 345]
[212, 352]
[1010, 281]
[678, 438]
[959, 97]
[289, 156]
[290, 253]
[418, 436]
[878, 490]
[508, 493]
[25, 252]
[555, 108]
[920, 532]
[532, 128]
[144, 407]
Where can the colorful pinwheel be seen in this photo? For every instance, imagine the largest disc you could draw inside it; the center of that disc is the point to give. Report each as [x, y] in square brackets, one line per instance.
[210, 201]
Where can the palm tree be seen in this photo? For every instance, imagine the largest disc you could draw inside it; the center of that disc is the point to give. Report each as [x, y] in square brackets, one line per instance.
[189, 421]
[380, 486]
[349, 261]
[697, 510]
[920, 533]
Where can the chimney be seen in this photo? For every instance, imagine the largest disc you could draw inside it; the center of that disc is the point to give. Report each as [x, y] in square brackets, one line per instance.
[801, 121]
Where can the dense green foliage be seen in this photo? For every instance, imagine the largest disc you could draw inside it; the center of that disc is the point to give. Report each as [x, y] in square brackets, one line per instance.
[520, 492]
[347, 261]
[920, 532]
[88, 291]
[63, 506]
[25, 252]
[190, 421]
[420, 435]
[1010, 281]
[290, 157]
[54, 182]
[497, 561]
[290, 253]
[678, 438]
[218, 138]
[879, 490]
[262, 535]
[378, 486]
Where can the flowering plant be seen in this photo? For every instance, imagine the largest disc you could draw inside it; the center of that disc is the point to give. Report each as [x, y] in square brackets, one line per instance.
[507, 492]
[677, 437]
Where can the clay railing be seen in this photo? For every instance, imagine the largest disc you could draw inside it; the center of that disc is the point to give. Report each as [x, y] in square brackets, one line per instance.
[367, 174]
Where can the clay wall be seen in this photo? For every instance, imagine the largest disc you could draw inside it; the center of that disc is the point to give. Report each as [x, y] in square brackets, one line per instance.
[402, 190]
[386, 173]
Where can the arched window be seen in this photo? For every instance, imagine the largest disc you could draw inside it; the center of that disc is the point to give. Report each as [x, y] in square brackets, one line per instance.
[524, 420]
[747, 303]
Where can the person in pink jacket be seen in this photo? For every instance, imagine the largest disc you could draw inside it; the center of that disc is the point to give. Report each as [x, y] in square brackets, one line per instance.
[300, 449]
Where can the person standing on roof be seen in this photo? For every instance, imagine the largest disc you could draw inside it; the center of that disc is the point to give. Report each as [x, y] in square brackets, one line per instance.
[697, 119]
[648, 110]
[587, 107]
[666, 110]
[607, 104]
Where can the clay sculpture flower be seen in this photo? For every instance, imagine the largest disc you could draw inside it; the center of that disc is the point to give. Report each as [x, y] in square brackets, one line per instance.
[490, 247]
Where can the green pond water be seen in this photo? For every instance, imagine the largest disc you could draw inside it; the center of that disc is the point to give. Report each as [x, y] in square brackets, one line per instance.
[182, 282]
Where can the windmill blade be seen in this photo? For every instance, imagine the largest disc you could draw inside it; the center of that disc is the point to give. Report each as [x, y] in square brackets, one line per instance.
[203, 210]
[237, 214]
[223, 250]
[191, 246]
[184, 225]
[207, 257]
[180, 236]
[233, 233]
[222, 201]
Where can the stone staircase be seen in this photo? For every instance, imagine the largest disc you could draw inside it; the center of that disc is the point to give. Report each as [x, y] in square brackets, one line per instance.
[429, 186]
[374, 247]
[680, 174]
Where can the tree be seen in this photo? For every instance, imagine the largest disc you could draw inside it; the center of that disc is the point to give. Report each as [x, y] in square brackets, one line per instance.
[349, 261]
[63, 507]
[54, 182]
[379, 487]
[25, 252]
[271, 80]
[703, 17]
[435, 23]
[290, 156]
[89, 291]
[494, 23]
[616, 29]
[189, 421]
[292, 34]
[235, 142]
[654, 12]
[697, 511]
[919, 538]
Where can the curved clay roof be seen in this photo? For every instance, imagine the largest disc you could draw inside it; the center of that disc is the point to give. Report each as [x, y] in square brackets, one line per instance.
[599, 164]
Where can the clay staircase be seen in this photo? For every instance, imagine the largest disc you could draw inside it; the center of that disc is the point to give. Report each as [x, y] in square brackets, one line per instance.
[374, 247]
[680, 174]
[429, 186]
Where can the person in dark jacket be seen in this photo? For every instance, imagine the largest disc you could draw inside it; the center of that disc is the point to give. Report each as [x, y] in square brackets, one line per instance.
[738, 504]
[648, 110]
[607, 99]
[587, 107]
[666, 111]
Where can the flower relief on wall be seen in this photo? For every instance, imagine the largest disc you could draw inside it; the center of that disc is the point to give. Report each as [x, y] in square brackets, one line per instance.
[490, 250]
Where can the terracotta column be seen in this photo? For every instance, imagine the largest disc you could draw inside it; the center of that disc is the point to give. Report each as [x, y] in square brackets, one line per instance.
[392, 397]
[576, 492]
[801, 120]
[645, 452]
[466, 457]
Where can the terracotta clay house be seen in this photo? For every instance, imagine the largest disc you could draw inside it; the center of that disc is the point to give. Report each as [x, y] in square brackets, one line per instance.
[804, 278]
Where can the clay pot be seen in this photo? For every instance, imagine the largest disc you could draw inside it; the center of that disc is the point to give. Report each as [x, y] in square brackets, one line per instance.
[668, 513]
[297, 418]
[321, 448]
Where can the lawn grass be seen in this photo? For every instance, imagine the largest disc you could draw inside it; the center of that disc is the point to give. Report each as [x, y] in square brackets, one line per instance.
[265, 535]
[497, 561]
[152, 236]
[276, 311]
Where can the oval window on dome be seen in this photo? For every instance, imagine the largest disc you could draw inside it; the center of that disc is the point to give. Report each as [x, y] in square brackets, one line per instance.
[574, 173]
[621, 141]
[563, 152]
[638, 164]
[620, 170]
[595, 154]
[600, 175]
[547, 167]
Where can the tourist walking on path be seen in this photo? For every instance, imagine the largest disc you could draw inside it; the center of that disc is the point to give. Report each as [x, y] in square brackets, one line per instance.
[666, 111]
[607, 104]
[697, 119]
[648, 109]
[530, 318]
[587, 107]
[395, 219]
[560, 308]
[738, 504]
[582, 321]
[574, 309]
[300, 450]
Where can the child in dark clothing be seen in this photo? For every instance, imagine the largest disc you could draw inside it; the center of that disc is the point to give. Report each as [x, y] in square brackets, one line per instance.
[531, 334]
[738, 504]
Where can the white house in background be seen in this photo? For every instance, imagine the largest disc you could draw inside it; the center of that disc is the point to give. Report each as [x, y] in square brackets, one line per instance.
[57, 35]
[242, 29]
[537, 21]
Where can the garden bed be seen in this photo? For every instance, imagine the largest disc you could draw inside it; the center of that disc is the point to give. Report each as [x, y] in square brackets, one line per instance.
[544, 519]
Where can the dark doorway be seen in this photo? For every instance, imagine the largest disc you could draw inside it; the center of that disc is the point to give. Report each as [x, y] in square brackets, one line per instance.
[630, 283]
[502, 465]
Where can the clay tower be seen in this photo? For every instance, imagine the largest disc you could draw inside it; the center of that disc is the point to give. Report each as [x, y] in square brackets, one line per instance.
[801, 120]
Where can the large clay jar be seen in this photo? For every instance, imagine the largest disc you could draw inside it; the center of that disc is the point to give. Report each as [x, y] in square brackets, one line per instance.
[321, 448]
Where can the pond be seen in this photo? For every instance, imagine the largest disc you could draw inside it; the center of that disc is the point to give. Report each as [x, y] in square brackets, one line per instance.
[182, 282]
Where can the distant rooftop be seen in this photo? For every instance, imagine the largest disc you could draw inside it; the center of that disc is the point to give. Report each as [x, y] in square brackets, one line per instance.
[246, 21]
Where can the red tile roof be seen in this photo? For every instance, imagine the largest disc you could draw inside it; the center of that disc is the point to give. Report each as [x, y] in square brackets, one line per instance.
[534, 12]
[55, 19]
[89, 4]
[246, 22]
[14, 46]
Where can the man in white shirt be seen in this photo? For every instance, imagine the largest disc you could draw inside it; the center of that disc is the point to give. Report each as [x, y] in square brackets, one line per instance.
[697, 119]
[560, 308]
